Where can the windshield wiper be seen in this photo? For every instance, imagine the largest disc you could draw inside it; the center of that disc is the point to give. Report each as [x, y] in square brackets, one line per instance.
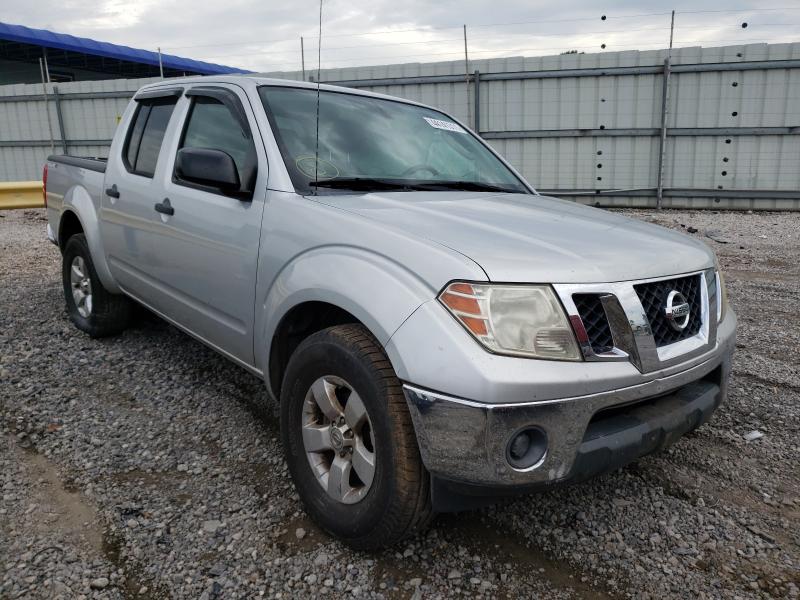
[475, 186]
[363, 183]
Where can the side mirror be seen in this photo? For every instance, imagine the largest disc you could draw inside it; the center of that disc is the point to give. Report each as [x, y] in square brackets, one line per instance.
[205, 166]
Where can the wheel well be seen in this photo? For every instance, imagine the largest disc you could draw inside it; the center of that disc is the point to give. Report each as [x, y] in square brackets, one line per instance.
[299, 323]
[69, 226]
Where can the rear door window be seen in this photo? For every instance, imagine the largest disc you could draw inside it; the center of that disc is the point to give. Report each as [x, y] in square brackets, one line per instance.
[146, 135]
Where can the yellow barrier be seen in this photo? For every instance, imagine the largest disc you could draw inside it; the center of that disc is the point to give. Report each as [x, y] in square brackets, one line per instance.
[21, 194]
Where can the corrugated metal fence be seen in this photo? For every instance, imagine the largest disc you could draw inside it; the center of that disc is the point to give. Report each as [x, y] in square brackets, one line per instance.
[585, 126]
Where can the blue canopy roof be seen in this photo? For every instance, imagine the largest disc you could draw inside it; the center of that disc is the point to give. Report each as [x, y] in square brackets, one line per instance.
[70, 43]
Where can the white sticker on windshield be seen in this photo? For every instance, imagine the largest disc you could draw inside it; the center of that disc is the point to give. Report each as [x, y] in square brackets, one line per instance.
[446, 125]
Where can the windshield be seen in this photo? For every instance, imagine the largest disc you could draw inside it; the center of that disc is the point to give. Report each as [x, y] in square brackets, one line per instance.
[368, 144]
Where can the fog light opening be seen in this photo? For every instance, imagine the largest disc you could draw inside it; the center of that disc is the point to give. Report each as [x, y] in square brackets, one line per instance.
[527, 448]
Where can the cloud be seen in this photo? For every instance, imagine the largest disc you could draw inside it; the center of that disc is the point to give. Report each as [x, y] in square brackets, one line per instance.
[110, 15]
[265, 36]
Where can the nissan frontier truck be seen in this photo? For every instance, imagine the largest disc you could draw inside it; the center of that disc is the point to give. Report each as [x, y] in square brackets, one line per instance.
[436, 333]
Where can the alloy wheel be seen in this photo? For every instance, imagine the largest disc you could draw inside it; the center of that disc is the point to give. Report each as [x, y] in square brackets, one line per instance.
[338, 439]
[81, 286]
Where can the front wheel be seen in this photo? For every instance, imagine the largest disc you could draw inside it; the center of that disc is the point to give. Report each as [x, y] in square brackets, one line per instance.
[91, 307]
[349, 441]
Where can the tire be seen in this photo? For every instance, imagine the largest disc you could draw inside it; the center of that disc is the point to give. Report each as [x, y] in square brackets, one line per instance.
[104, 313]
[397, 502]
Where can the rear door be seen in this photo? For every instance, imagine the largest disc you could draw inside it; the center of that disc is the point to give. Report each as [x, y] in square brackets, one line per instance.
[134, 181]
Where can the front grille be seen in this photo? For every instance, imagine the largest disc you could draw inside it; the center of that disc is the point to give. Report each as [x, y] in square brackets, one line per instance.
[593, 315]
[653, 296]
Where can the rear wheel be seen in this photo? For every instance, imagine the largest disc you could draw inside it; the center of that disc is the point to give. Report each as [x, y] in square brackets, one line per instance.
[91, 307]
[349, 440]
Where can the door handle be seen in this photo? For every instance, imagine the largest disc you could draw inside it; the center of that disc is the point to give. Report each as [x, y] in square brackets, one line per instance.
[164, 207]
[112, 191]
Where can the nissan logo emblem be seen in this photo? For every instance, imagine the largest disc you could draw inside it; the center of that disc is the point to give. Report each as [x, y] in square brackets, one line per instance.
[677, 310]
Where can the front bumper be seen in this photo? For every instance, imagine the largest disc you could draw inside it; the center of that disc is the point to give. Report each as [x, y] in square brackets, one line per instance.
[464, 443]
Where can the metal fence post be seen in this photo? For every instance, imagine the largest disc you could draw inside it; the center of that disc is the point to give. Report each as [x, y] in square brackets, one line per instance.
[46, 106]
[60, 118]
[662, 146]
[466, 76]
[46, 68]
[477, 81]
[302, 58]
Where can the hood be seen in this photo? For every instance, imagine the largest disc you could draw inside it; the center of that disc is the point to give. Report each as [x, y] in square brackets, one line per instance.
[520, 238]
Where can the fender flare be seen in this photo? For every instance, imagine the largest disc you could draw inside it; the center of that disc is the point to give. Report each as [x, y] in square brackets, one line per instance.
[378, 291]
[78, 201]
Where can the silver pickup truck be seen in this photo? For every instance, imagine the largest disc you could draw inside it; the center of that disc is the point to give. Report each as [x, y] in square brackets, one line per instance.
[437, 334]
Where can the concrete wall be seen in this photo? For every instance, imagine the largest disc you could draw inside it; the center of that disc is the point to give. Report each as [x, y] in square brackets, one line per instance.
[584, 126]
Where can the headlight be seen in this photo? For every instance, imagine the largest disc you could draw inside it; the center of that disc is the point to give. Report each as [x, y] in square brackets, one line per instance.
[519, 320]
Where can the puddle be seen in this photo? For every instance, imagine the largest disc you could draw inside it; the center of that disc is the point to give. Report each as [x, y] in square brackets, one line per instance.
[62, 511]
[313, 537]
[134, 582]
[493, 546]
[502, 547]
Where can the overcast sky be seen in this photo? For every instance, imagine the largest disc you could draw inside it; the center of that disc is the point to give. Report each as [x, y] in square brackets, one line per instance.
[264, 35]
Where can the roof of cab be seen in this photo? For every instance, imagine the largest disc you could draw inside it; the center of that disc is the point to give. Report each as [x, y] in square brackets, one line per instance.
[252, 82]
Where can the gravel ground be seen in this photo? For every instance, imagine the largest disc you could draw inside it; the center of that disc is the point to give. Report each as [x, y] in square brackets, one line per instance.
[145, 466]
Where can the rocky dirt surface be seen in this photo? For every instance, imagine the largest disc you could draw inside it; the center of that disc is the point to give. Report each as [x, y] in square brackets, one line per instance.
[145, 466]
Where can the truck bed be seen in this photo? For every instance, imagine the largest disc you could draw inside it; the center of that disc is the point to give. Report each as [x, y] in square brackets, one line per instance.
[77, 181]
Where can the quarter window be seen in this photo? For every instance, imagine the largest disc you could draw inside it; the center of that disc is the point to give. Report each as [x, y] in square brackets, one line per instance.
[146, 135]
